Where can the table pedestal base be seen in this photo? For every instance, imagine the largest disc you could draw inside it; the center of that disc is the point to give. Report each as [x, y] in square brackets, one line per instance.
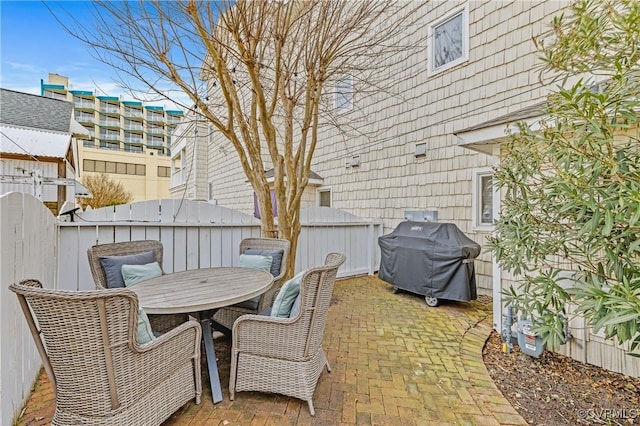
[212, 365]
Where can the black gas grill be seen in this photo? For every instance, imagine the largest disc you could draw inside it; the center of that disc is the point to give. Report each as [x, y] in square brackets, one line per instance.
[431, 259]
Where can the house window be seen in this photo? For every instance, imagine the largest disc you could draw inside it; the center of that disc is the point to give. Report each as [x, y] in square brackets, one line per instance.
[110, 167]
[324, 197]
[344, 94]
[485, 199]
[210, 191]
[164, 171]
[449, 40]
[177, 164]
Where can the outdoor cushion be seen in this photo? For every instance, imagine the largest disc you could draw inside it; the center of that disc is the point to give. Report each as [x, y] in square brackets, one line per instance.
[112, 266]
[266, 312]
[133, 274]
[276, 258]
[286, 296]
[254, 261]
[144, 332]
[295, 308]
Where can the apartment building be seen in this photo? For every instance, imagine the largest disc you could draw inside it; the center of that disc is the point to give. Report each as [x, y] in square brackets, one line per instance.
[128, 140]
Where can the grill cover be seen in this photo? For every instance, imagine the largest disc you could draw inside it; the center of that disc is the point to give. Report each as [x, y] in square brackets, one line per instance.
[428, 258]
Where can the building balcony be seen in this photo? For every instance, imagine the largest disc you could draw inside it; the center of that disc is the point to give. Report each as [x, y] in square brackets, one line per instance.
[155, 118]
[155, 142]
[132, 113]
[112, 109]
[133, 148]
[108, 122]
[155, 131]
[55, 95]
[132, 139]
[85, 118]
[110, 145]
[84, 104]
[110, 136]
[133, 126]
[172, 119]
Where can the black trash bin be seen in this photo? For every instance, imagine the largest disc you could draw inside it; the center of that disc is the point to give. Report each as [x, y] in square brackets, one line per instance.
[431, 259]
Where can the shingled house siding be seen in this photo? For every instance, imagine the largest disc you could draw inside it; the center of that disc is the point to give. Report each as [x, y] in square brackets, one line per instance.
[499, 77]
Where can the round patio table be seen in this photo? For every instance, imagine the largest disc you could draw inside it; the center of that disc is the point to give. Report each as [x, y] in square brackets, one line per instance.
[202, 291]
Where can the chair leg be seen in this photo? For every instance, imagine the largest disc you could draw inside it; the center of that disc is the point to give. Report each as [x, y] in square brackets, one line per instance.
[311, 410]
[232, 375]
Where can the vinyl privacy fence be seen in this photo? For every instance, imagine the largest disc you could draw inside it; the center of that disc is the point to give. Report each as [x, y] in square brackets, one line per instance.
[202, 235]
[194, 235]
[28, 245]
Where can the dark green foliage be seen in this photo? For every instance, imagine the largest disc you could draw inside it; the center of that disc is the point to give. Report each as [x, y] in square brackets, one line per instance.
[572, 187]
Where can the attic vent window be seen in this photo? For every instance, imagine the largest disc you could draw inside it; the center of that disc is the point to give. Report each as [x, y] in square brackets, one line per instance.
[421, 150]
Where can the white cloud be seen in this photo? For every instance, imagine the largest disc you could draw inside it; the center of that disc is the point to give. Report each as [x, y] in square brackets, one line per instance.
[24, 67]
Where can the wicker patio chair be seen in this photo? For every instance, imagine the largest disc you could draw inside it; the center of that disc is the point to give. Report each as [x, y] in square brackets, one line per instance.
[159, 323]
[284, 355]
[227, 316]
[100, 373]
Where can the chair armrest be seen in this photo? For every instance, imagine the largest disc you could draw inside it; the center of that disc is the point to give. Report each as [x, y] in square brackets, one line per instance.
[181, 332]
[269, 336]
[150, 364]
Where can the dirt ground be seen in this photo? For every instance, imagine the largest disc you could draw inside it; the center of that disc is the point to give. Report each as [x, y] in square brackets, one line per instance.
[557, 390]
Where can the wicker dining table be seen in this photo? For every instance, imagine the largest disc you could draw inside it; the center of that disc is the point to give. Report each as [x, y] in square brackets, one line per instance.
[201, 292]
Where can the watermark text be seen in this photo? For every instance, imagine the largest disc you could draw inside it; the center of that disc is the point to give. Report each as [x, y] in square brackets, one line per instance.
[609, 413]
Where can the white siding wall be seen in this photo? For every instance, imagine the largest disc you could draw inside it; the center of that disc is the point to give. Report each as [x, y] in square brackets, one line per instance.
[13, 167]
[499, 77]
[229, 183]
[193, 177]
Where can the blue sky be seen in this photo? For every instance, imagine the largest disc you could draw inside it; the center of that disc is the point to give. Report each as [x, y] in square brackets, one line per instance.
[33, 44]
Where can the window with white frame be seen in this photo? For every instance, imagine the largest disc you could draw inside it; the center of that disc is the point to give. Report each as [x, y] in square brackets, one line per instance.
[485, 199]
[324, 197]
[449, 40]
[344, 94]
[177, 166]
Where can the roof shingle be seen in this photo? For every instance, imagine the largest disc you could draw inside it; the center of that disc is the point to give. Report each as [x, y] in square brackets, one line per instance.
[33, 111]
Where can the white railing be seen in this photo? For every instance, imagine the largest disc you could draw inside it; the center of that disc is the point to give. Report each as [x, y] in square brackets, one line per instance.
[110, 135]
[85, 118]
[109, 122]
[84, 104]
[132, 112]
[109, 108]
[131, 139]
[133, 126]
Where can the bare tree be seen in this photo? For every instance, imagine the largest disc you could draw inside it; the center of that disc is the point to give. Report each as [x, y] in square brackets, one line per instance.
[104, 192]
[261, 72]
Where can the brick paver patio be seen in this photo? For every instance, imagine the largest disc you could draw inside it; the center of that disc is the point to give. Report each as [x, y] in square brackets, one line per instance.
[394, 360]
